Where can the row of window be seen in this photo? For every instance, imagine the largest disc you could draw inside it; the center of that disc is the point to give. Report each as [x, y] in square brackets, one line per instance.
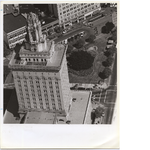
[35, 60]
[16, 39]
[16, 34]
[26, 93]
[36, 77]
[76, 12]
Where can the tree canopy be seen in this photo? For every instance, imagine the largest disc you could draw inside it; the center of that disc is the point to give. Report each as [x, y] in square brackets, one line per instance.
[58, 29]
[107, 28]
[70, 48]
[91, 38]
[110, 51]
[99, 111]
[80, 60]
[79, 44]
[108, 62]
[105, 74]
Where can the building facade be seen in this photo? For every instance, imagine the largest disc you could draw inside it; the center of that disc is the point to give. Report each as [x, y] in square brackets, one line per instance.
[74, 12]
[41, 76]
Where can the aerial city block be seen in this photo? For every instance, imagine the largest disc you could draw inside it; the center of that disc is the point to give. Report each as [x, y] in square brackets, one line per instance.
[60, 63]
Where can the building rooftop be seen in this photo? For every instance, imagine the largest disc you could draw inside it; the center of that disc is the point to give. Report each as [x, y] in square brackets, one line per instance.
[40, 118]
[52, 63]
[12, 22]
[79, 108]
[79, 112]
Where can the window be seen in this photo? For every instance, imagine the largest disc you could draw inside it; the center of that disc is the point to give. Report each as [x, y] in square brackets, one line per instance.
[21, 94]
[37, 81]
[58, 95]
[50, 87]
[49, 78]
[31, 82]
[34, 99]
[25, 82]
[33, 95]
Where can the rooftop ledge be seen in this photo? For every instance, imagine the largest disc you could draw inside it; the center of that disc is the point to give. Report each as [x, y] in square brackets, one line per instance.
[54, 63]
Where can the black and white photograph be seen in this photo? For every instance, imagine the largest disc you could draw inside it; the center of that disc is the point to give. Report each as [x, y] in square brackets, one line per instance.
[60, 63]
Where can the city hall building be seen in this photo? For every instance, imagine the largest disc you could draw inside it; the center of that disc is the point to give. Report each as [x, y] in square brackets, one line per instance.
[41, 74]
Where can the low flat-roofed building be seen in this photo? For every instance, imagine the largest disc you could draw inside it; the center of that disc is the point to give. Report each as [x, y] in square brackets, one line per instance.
[14, 29]
[80, 108]
[40, 118]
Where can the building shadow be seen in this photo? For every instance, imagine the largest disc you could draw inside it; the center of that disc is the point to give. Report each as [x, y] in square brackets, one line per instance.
[13, 106]
[6, 97]
[93, 116]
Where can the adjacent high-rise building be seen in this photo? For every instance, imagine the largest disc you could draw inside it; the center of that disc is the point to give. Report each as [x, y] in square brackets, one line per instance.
[14, 29]
[40, 73]
[74, 12]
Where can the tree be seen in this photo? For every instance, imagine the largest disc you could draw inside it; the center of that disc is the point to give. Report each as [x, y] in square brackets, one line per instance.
[108, 62]
[99, 111]
[104, 30]
[91, 38]
[58, 29]
[110, 52]
[50, 31]
[105, 73]
[107, 28]
[69, 49]
[80, 60]
[79, 43]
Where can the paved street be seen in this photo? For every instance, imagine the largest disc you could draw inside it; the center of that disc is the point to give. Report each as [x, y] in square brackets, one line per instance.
[107, 97]
[76, 31]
